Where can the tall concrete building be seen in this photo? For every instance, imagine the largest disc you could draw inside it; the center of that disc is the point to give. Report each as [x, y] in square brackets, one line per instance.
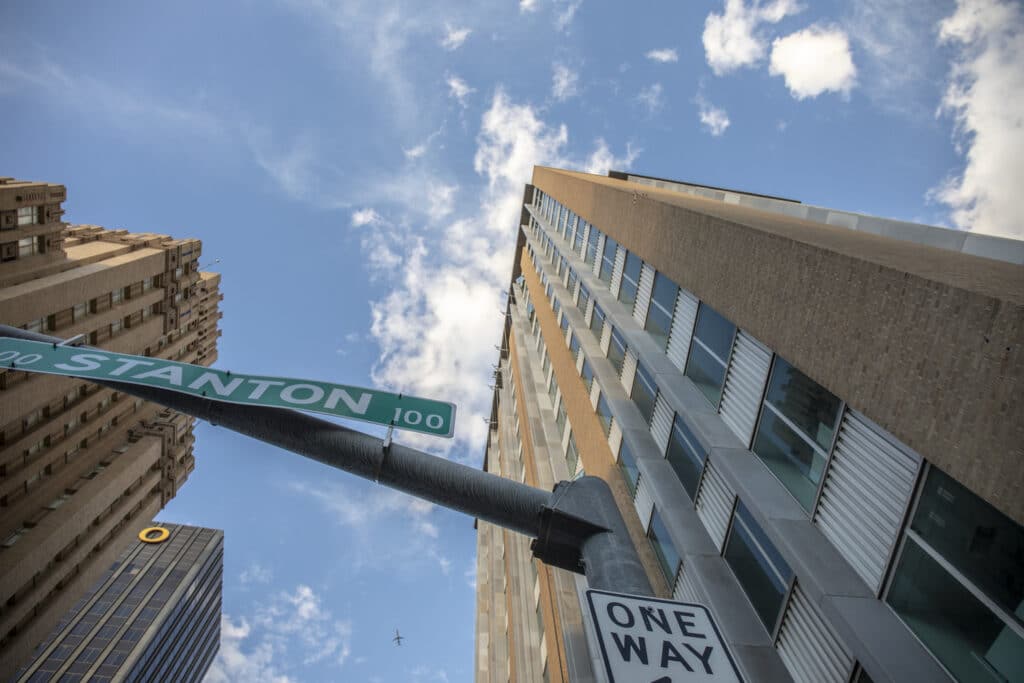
[811, 421]
[153, 616]
[83, 468]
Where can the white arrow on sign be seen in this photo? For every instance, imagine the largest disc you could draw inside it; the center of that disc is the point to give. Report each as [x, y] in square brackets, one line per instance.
[649, 640]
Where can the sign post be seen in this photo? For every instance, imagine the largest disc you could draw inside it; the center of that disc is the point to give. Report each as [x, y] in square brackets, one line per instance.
[369, 405]
[649, 640]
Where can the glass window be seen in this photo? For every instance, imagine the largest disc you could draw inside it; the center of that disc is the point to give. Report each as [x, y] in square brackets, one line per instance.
[604, 413]
[607, 260]
[572, 455]
[709, 352]
[570, 284]
[959, 583]
[644, 392]
[668, 557]
[584, 300]
[627, 464]
[597, 322]
[617, 351]
[795, 432]
[28, 215]
[686, 456]
[588, 374]
[663, 305]
[578, 241]
[592, 243]
[564, 324]
[26, 247]
[758, 566]
[630, 279]
[574, 346]
[560, 416]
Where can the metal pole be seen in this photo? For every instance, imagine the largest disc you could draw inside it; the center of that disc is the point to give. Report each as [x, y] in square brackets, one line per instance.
[578, 527]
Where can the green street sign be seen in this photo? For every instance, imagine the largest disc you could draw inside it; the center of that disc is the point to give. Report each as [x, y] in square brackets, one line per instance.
[380, 407]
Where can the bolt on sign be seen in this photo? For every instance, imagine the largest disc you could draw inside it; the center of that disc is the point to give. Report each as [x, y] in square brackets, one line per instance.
[648, 640]
[380, 407]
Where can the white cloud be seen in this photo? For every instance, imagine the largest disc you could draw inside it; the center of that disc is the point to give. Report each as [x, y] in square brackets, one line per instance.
[416, 151]
[564, 82]
[651, 97]
[603, 160]
[813, 61]
[714, 119]
[298, 623]
[459, 89]
[732, 39]
[235, 662]
[365, 216]
[437, 328]
[663, 55]
[454, 37]
[567, 14]
[440, 200]
[527, 6]
[985, 96]
[255, 573]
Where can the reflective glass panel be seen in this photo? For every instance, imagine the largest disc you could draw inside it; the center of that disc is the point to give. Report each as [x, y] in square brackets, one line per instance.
[644, 392]
[597, 322]
[668, 557]
[796, 463]
[604, 413]
[587, 373]
[627, 463]
[808, 405]
[686, 456]
[592, 241]
[607, 259]
[758, 566]
[709, 352]
[617, 351]
[659, 315]
[630, 279]
[584, 300]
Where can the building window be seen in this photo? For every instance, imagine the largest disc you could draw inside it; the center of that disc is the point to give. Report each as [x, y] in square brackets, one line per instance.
[116, 296]
[668, 557]
[560, 417]
[592, 242]
[659, 315]
[758, 566]
[627, 464]
[630, 279]
[604, 414]
[709, 352]
[570, 283]
[28, 215]
[572, 455]
[959, 582]
[607, 260]
[686, 456]
[617, 351]
[577, 241]
[794, 435]
[644, 393]
[588, 374]
[597, 322]
[583, 301]
[574, 346]
[26, 247]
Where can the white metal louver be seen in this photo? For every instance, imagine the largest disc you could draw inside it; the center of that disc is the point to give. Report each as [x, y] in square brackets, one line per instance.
[566, 433]
[589, 314]
[683, 319]
[615, 438]
[583, 244]
[643, 501]
[629, 370]
[576, 292]
[595, 394]
[643, 294]
[685, 590]
[579, 363]
[568, 334]
[714, 504]
[868, 485]
[809, 647]
[598, 255]
[744, 385]
[661, 422]
[620, 263]
[606, 337]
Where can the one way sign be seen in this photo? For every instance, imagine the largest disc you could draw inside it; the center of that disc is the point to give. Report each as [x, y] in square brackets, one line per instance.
[647, 640]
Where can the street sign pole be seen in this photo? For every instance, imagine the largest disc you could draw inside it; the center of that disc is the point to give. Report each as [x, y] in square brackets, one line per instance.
[576, 527]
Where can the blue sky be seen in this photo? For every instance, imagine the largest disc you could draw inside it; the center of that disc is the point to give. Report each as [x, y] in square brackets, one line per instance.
[356, 167]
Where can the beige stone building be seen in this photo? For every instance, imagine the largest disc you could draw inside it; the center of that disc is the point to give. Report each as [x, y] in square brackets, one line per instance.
[84, 468]
[811, 420]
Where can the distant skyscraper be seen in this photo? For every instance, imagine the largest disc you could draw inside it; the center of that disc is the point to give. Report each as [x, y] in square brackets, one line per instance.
[84, 468]
[154, 616]
[811, 420]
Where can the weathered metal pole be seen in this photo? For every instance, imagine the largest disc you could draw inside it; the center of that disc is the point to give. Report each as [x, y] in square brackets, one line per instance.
[577, 527]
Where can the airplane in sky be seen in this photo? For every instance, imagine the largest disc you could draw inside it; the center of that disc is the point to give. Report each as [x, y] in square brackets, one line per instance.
[398, 639]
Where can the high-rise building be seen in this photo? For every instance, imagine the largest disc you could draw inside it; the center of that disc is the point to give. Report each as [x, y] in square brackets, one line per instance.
[811, 421]
[84, 468]
[153, 616]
